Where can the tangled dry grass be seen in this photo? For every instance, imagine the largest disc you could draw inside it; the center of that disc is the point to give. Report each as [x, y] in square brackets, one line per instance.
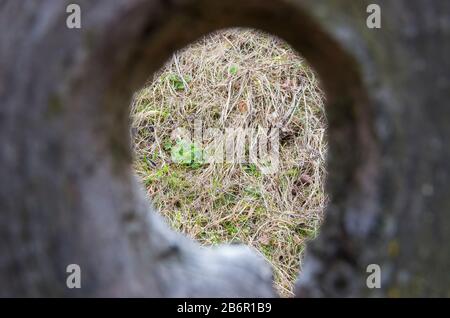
[237, 78]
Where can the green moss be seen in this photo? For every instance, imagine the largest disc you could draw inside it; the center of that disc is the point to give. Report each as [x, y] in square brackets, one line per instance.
[253, 192]
[252, 170]
[304, 231]
[230, 227]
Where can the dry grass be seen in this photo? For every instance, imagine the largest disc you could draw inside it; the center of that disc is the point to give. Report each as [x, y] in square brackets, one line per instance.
[237, 78]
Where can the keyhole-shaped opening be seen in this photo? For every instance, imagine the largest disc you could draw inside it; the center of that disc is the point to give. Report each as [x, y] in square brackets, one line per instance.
[229, 142]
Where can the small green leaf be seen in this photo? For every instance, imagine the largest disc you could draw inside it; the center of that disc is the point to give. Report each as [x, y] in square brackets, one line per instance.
[187, 153]
[177, 82]
[233, 70]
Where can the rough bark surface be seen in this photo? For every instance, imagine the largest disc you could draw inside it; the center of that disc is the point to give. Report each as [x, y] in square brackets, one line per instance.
[67, 191]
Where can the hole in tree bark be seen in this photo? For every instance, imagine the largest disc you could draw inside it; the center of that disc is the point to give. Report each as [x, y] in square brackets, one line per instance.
[198, 131]
[83, 204]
